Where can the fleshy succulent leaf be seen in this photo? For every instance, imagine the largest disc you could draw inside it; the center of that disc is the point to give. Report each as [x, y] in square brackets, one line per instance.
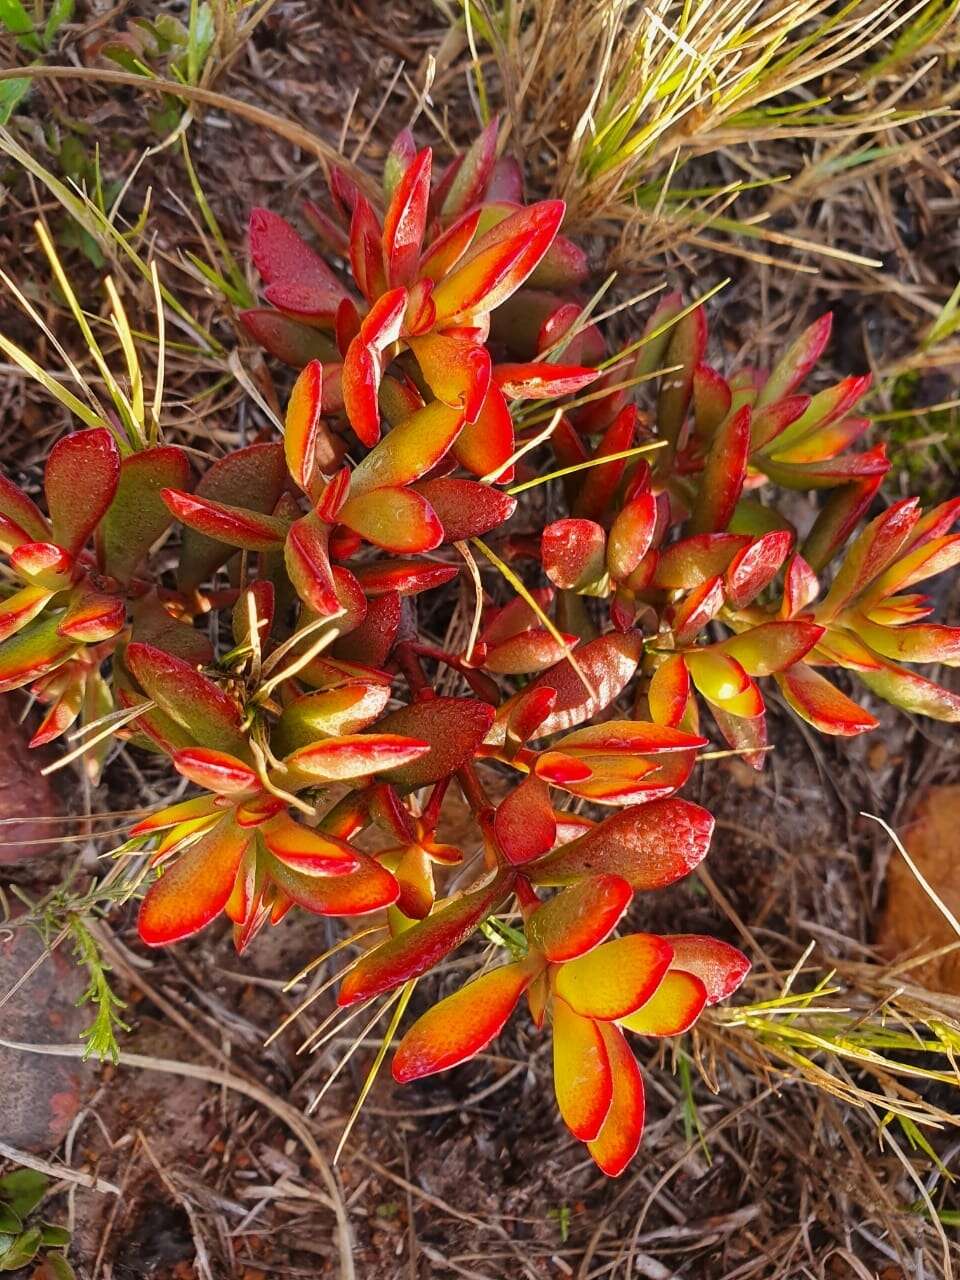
[579, 918]
[485, 445]
[453, 728]
[608, 664]
[616, 978]
[582, 1075]
[406, 218]
[465, 508]
[723, 474]
[138, 517]
[463, 1024]
[188, 697]
[307, 851]
[356, 893]
[238, 527]
[80, 480]
[410, 450]
[631, 535]
[297, 279]
[797, 361]
[21, 514]
[92, 616]
[524, 823]
[498, 262]
[252, 478]
[755, 567]
[772, 646]
[457, 370]
[419, 948]
[719, 966]
[306, 555]
[193, 892]
[686, 346]
[301, 426]
[217, 771]
[33, 651]
[822, 704]
[650, 846]
[672, 1009]
[619, 1137]
[355, 755]
[527, 653]
[469, 178]
[397, 519]
[573, 552]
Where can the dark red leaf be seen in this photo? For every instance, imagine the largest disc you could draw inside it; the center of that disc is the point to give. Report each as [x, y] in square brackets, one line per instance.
[80, 480]
[649, 845]
[419, 948]
[297, 279]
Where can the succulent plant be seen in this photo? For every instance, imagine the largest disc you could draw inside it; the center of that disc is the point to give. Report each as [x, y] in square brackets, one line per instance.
[673, 585]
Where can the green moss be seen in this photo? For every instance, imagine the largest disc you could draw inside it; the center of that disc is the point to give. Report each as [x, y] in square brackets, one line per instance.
[923, 446]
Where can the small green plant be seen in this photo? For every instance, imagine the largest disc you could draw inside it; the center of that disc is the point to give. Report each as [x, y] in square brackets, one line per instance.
[25, 1237]
[101, 1035]
[924, 442]
[35, 33]
[165, 48]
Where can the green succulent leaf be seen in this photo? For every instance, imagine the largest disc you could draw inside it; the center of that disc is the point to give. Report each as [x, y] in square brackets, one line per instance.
[252, 478]
[137, 517]
[22, 1251]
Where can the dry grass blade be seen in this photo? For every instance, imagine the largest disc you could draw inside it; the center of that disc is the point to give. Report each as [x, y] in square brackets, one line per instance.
[292, 1118]
[865, 1018]
[28, 1161]
[627, 96]
[288, 129]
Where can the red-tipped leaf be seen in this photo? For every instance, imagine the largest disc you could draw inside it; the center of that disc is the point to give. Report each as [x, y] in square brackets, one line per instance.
[80, 480]
[498, 263]
[355, 755]
[421, 947]
[453, 728]
[572, 552]
[673, 1008]
[236, 526]
[194, 891]
[719, 966]
[619, 1138]
[463, 1024]
[524, 822]
[822, 704]
[195, 703]
[579, 918]
[216, 771]
[799, 358]
[582, 1075]
[650, 846]
[297, 279]
[406, 218]
[616, 978]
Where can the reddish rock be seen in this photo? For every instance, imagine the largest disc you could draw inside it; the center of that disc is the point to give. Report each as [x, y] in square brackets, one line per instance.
[911, 923]
[25, 794]
[40, 1094]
